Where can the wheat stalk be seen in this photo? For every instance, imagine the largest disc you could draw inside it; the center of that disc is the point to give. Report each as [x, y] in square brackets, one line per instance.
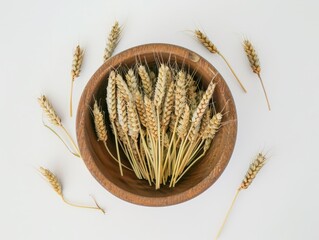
[75, 71]
[57, 187]
[111, 96]
[213, 49]
[51, 114]
[255, 64]
[111, 106]
[252, 172]
[112, 40]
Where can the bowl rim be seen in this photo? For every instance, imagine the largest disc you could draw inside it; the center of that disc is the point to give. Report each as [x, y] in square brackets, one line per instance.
[89, 160]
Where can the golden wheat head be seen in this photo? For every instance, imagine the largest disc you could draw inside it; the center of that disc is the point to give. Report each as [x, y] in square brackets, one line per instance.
[52, 179]
[205, 41]
[77, 62]
[252, 56]
[253, 170]
[99, 123]
[49, 111]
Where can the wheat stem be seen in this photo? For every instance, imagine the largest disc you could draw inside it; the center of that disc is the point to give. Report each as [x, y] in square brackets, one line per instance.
[227, 214]
[233, 72]
[55, 133]
[71, 94]
[262, 84]
[82, 206]
[71, 140]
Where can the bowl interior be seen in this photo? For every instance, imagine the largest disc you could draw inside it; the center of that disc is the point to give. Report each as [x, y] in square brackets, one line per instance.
[203, 174]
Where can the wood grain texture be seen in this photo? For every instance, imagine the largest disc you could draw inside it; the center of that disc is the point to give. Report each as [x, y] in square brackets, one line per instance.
[106, 171]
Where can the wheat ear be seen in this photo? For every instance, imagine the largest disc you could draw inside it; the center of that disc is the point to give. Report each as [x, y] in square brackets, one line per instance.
[131, 81]
[99, 123]
[253, 170]
[180, 93]
[146, 81]
[255, 64]
[112, 40]
[200, 110]
[213, 49]
[57, 187]
[49, 111]
[160, 86]
[168, 106]
[75, 71]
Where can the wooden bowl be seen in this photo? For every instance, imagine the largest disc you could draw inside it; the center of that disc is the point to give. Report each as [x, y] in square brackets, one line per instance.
[106, 171]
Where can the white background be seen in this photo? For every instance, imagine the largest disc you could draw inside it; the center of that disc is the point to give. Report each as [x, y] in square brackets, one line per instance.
[37, 39]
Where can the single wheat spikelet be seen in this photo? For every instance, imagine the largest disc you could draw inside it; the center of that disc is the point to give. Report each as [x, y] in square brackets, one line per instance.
[168, 106]
[111, 96]
[213, 49]
[205, 41]
[160, 85]
[77, 62]
[151, 116]
[52, 179]
[49, 111]
[252, 56]
[180, 93]
[112, 40]
[140, 108]
[146, 81]
[131, 81]
[57, 187]
[255, 65]
[183, 123]
[254, 168]
[99, 123]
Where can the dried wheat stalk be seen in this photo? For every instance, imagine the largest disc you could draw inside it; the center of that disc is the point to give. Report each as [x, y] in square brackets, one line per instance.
[252, 172]
[57, 187]
[255, 64]
[112, 40]
[75, 71]
[213, 49]
[51, 114]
